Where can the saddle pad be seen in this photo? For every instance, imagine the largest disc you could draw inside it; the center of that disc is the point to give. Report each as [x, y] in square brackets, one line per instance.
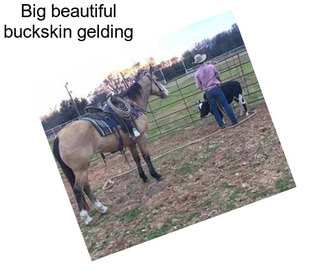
[101, 126]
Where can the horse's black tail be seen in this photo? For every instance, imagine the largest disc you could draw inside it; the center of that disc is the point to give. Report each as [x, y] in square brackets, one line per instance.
[66, 169]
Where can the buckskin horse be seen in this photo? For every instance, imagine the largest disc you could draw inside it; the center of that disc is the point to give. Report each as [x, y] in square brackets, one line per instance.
[76, 143]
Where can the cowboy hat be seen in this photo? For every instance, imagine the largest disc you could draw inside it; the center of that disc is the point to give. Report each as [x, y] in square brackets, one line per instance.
[199, 58]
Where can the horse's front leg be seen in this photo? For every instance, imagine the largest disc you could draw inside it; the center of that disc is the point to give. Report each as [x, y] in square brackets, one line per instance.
[136, 158]
[142, 143]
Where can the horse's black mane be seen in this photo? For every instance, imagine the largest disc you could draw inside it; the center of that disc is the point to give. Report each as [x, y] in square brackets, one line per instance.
[133, 92]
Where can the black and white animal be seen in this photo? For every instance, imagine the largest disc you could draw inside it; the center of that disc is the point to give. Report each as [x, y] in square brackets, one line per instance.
[233, 92]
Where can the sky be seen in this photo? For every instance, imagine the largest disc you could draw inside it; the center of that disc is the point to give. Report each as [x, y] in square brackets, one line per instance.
[177, 42]
[84, 76]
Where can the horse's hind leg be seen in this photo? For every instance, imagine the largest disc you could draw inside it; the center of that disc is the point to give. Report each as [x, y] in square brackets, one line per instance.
[97, 204]
[142, 143]
[80, 181]
[136, 158]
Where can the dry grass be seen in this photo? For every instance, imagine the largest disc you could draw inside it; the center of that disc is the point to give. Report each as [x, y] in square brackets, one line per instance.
[228, 170]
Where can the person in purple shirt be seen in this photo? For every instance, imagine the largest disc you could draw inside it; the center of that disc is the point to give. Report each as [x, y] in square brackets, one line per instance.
[207, 78]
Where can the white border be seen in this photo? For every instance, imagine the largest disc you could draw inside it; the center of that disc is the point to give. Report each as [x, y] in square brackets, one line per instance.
[283, 232]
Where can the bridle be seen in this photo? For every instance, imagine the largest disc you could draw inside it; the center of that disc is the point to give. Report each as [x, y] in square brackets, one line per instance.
[152, 81]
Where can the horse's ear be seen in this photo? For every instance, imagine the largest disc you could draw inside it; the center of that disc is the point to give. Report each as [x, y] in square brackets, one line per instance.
[138, 75]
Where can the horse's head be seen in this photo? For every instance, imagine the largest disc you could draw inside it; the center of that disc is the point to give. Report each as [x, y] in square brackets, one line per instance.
[149, 83]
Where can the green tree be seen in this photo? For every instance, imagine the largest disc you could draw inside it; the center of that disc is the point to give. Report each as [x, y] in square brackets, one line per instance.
[188, 59]
[65, 113]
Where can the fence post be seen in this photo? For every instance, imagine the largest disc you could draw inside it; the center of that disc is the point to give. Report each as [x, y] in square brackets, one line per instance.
[161, 71]
[124, 80]
[243, 75]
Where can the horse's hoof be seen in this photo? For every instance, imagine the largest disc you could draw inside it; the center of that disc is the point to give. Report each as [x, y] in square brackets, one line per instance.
[88, 221]
[99, 206]
[145, 180]
[160, 178]
[85, 217]
[103, 209]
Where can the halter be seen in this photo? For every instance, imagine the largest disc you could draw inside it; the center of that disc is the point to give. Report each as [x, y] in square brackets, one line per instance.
[151, 91]
[152, 81]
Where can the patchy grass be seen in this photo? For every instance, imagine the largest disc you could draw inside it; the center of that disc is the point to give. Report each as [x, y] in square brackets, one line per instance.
[201, 181]
[130, 215]
[190, 217]
[188, 168]
[161, 231]
[210, 147]
[284, 183]
[226, 185]
[229, 157]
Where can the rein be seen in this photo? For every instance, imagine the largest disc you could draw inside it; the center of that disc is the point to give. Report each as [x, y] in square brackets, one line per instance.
[151, 91]
[145, 111]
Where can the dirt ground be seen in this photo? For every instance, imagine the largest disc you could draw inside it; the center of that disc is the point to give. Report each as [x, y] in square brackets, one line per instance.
[229, 169]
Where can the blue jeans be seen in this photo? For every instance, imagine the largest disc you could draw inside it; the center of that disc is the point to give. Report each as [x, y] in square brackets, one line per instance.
[217, 94]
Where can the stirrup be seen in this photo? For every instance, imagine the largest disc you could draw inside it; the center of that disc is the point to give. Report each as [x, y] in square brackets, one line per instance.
[135, 132]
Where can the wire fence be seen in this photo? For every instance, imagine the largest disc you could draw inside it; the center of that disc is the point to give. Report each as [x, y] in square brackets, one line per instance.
[179, 110]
